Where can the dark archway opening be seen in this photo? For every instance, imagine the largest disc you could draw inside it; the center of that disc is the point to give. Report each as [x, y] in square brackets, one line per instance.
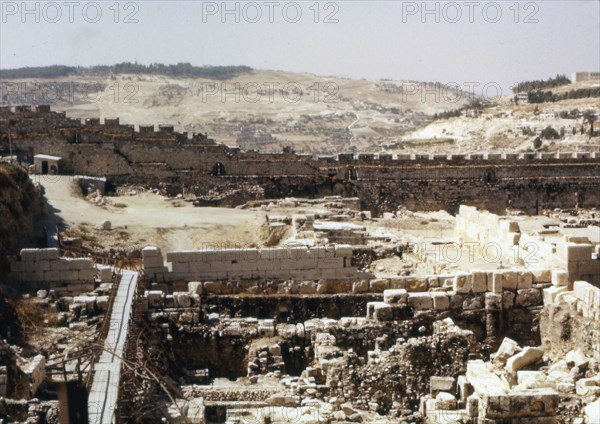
[218, 170]
[489, 177]
[351, 174]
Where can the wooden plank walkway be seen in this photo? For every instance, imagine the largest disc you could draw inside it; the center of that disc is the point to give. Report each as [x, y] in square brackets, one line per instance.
[102, 401]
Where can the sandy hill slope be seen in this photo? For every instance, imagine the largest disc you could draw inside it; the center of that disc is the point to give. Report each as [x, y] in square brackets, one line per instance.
[505, 126]
[262, 110]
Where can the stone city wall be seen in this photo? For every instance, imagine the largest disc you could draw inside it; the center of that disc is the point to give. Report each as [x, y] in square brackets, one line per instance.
[383, 182]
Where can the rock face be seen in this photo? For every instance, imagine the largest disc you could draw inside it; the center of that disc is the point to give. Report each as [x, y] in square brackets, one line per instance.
[20, 203]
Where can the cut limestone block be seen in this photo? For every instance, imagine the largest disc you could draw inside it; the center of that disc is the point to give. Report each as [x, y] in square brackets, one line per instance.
[587, 293]
[51, 275]
[532, 380]
[383, 312]
[32, 255]
[69, 275]
[479, 281]
[42, 265]
[572, 252]
[510, 280]
[507, 348]
[525, 280]
[463, 283]
[51, 253]
[155, 298]
[441, 384]
[150, 251]
[496, 285]
[509, 226]
[433, 281]
[379, 285]
[549, 294]
[105, 273]
[526, 357]
[195, 287]
[395, 296]
[441, 301]
[153, 261]
[560, 278]
[87, 274]
[361, 286]
[343, 250]
[78, 263]
[592, 412]
[415, 285]
[182, 299]
[445, 401]
[420, 301]
[541, 275]
[371, 308]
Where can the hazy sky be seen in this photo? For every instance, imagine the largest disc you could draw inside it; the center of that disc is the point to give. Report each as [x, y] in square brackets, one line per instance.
[465, 41]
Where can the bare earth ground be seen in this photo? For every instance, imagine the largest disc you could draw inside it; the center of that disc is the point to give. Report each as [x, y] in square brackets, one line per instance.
[149, 219]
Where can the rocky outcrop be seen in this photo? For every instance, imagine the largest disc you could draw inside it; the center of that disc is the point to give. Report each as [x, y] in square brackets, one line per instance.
[20, 203]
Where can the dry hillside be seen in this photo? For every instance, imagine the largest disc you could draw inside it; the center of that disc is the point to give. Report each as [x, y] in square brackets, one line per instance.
[263, 110]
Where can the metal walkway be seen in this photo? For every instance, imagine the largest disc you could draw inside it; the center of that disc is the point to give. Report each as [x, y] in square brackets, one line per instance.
[102, 401]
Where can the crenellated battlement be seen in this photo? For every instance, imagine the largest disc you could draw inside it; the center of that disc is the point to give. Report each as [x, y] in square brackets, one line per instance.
[27, 115]
[157, 154]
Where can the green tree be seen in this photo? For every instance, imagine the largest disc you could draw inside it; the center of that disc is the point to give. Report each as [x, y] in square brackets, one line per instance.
[550, 133]
[537, 143]
[589, 116]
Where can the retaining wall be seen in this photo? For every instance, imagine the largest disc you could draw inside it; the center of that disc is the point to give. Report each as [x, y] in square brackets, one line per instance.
[36, 269]
[251, 264]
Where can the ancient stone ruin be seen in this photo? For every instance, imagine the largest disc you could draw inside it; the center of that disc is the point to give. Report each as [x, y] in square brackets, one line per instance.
[427, 289]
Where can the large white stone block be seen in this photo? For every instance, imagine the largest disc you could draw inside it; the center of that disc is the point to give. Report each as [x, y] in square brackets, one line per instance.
[526, 357]
[507, 348]
[195, 287]
[343, 250]
[549, 294]
[150, 251]
[87, 274]
[571, 252]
